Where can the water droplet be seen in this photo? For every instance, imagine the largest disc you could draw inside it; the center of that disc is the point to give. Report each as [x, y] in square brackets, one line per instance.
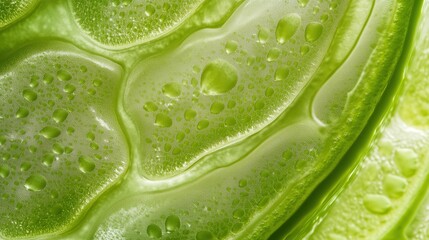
[21, 113]
[25, 166]
[176, 151]
[163, 120]
[47, 78]
[63, 75]
[281, 73]
[407, 161]
[269, 92]
[94, 145]
[68, 150]
[238, 213]
[273, 54]
[313, 31]
[29, 95]
[48, 159]
[172, 223]
[377, 203]
[172, 90]
[68, 88]
[180, 136]
[303, 3]
[90, 136]
[230, 121]
[203, 124]
[35, 182]
[287, 27]
[259, 104]
[394, 186]
[150, 10]
[57, 148]
[86, 164]
[34, 81]
[217, 107]
[153, 231]
[150, 107]
[304, 49]
[263, 35]
[4, 171]
[205, 235]
[83, 69]
[60, 115]
[231, 46]
[190, 114]
[242, 183]
[218, 77]
[231, 104]
[50, 132]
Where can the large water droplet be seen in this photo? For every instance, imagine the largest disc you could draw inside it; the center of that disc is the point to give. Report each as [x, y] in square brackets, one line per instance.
[153, 231]
[231, 46]
[171, 90]
[150, 107]
[273, 54]
[407, 161]
[35, 182]
[263, 35]
[172, 223]
[218, 77]
[86, 164]
[50, 132]
[313, 31]
[150, 10]
[287, 27]
[394, 186]
[377, 203]
[190, 114]
[163, 120]
[203, 124]
[48, 159]
[60, 115]
[29, 95]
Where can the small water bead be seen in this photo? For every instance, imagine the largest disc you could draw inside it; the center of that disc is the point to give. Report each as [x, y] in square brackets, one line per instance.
[90, 136]
[4, 171]
[218, 77]
[83, 69]
[304, 49]
[91, 91]
[149, 10]
[29, 95]
[34, 82]
[97, 83]
[231, 46]
[50, 132]
[203, 124]
[172, 223]
[176, 151]
[259, 104]
[22, 112]
[25, 166]
[180, 136]
[47, 78]
[94, 146]
[153, 231]
[238, 213]
[407, 161]
[190, 114]
[287, 27]
[48, 159]
[269, 92]
[60, 115]
[230, 121]
[263, 35]
[172, 90]
[394, 186]
[313, 31]
[281, 73]
[377, 203]
[242, 183]
[64, 75]
[303, 3]
[35, 182]
[205, 235]
[150, 107]
[163, 120]
[69, 88]
[273, 54]
[231, 104]
[217, 107]
[86, 164]
[57, 148]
